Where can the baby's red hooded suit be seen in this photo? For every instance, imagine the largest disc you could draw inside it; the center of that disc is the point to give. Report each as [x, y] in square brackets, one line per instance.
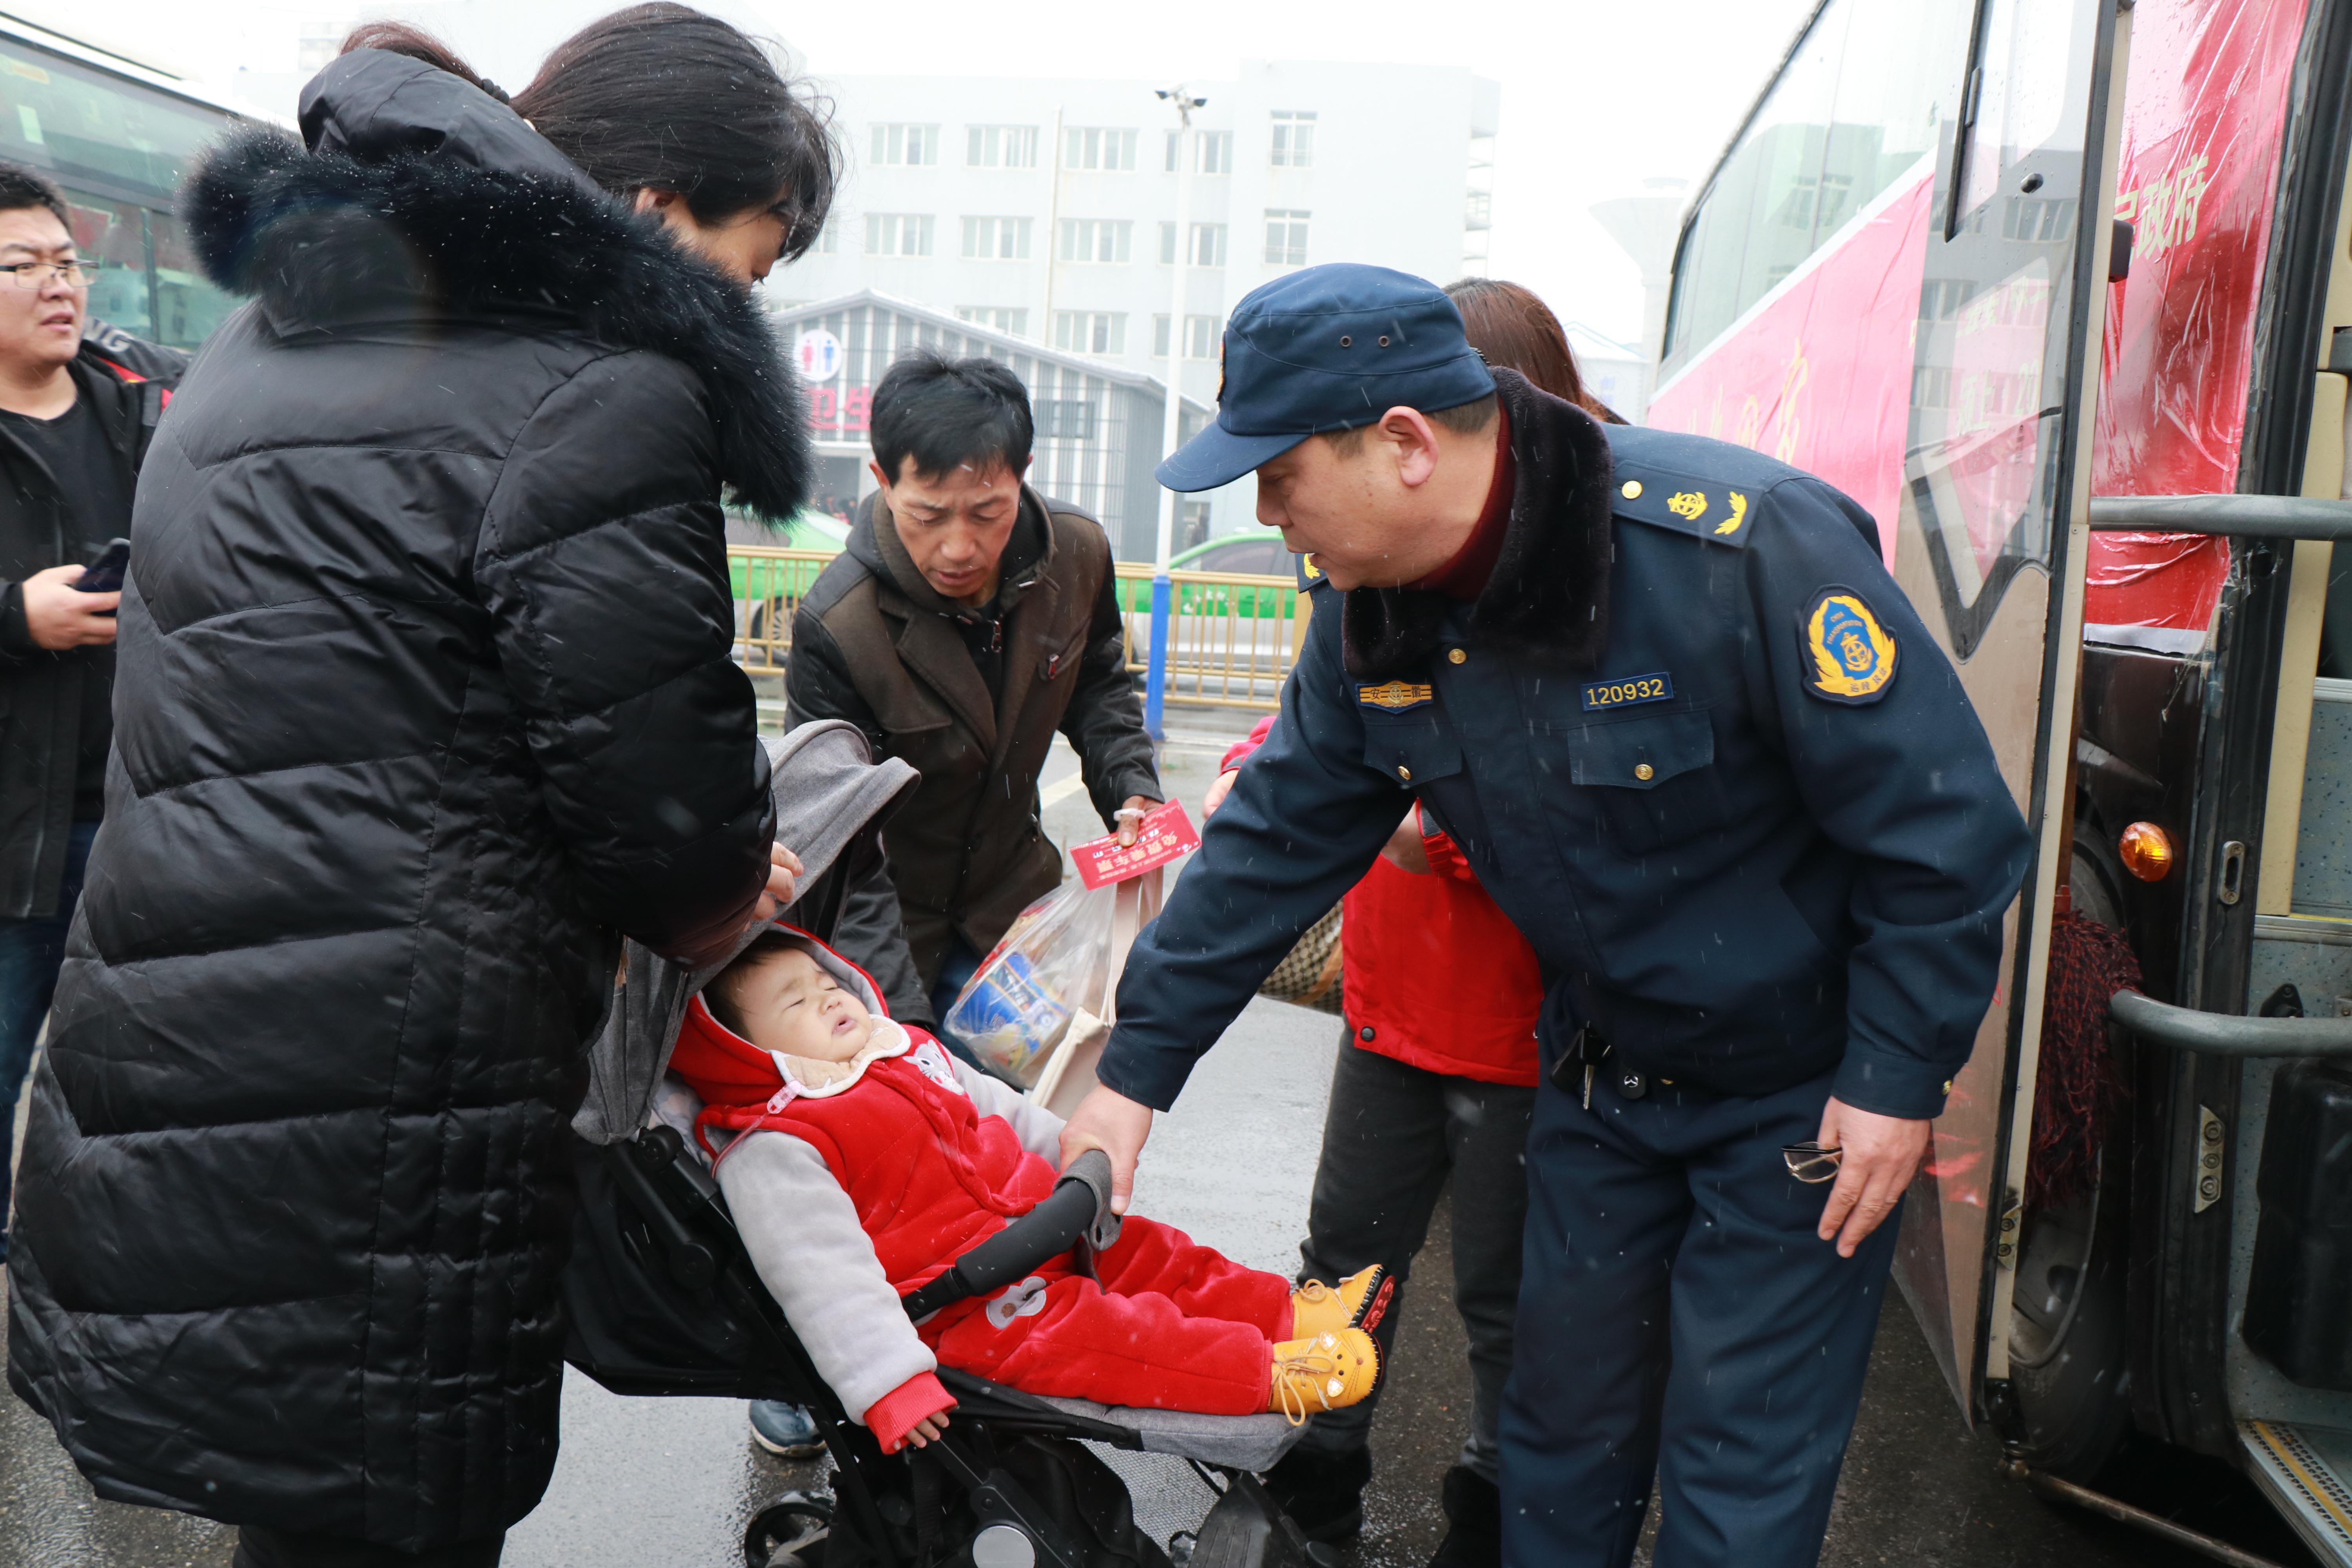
[1170, 1325]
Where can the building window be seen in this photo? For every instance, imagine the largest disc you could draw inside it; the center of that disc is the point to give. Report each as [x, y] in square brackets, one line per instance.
[1003, 317]
[1294, 139]
[1063, 419]
[1000, 147]
[996, 238]
[1201, 335]
[1096, 239]
[906, 144]
[1208, 249]
[828, 239]
[1090, 331]
[1285, 237]
[1212, 152]
[1091, 147]
[898, 233]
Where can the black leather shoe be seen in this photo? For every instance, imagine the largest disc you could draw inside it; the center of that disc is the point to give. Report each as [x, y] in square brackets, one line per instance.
[1324, 1493]
[1474, 1518]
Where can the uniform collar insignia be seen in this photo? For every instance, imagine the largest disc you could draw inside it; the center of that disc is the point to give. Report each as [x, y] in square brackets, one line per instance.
[1705, 509]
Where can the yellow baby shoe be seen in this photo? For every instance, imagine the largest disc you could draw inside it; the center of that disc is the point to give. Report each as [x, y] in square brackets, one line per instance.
[1357, 1303]
[1329, 1372]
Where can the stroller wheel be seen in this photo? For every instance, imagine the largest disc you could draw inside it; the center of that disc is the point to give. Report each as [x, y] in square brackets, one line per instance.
[790, 1532]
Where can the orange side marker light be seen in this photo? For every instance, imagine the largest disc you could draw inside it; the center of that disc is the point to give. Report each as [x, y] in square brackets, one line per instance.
[2147, 851]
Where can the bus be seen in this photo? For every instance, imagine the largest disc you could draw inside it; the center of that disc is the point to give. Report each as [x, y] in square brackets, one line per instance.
[116, 135]
[2061, 291]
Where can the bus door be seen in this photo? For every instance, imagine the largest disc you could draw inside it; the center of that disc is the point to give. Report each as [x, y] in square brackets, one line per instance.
[1989, 547]
[1894, 278]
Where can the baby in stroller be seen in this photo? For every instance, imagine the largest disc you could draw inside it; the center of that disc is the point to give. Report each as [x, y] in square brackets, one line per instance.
[861, 1161]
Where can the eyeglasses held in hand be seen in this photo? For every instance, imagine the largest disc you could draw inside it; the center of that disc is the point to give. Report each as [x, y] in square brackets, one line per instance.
[37, 274]
[1811, 1163]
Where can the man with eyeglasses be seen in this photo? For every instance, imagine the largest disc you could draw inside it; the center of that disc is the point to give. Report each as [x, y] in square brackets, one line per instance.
[75, 419]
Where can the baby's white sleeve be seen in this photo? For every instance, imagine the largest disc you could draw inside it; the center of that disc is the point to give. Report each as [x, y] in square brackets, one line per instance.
[817, 1261]
[1039, 1129]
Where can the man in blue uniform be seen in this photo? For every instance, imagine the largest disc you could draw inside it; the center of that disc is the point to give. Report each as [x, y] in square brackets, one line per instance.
[1697, 745]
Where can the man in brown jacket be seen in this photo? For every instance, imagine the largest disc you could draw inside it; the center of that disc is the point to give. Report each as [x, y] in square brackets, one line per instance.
[966, 621]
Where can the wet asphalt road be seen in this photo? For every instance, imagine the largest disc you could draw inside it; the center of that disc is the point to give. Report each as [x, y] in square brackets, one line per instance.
[648, 1482]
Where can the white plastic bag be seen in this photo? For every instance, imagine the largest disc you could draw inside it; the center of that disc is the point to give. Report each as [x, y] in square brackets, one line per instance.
[1039, 1006]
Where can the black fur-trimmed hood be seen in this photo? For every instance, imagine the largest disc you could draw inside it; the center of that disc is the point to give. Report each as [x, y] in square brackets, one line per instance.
[420, 194]
[1549, 591]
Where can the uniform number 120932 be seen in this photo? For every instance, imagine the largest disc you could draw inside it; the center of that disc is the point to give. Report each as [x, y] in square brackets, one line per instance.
[1624, 693]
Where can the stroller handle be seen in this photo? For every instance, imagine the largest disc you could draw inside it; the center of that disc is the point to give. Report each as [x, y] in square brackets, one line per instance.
[1077, 1211]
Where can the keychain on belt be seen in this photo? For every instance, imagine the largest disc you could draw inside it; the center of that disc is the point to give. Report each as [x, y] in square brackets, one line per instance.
[1584, 1059]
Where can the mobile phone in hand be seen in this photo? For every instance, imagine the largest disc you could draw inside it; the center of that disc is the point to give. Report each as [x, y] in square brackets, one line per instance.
[105, 574]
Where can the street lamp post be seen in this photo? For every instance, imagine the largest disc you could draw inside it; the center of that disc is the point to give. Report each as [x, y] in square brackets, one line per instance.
[1155, 679]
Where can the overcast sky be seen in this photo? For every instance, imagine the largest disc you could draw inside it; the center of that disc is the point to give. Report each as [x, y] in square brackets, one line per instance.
[1597, 97]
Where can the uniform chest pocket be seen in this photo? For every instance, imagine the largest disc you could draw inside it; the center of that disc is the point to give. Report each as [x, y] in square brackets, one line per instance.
[1414, 748]
[1655, 776]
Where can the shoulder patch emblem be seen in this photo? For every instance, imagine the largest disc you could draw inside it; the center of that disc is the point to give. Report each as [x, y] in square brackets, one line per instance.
[1395, 696]
[1688, 505]
[1850, 657]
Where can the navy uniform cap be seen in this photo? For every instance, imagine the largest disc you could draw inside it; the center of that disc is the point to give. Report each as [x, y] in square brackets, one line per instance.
[1327, 348]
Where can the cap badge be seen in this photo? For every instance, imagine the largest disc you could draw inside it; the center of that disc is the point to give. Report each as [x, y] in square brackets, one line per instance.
[1851, 657]
[1395, 696]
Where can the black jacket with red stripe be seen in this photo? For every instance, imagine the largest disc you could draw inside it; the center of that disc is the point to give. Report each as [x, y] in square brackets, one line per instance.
[46, 697]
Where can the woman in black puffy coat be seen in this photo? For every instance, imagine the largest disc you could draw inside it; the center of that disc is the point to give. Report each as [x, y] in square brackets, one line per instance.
[424, 700]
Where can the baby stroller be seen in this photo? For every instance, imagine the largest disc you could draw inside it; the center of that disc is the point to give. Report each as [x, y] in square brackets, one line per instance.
[664, 1300]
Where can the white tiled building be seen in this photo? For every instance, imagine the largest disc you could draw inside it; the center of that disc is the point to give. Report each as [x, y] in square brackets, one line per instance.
[1046, 209]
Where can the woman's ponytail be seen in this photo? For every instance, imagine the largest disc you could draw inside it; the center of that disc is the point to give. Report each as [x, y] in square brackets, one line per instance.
[400, 38]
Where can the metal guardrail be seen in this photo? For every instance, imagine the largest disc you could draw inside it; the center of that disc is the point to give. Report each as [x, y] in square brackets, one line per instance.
[2247, 517]
[1232, 642]
[768, 581]
[1232, 636]
[2229, 1034]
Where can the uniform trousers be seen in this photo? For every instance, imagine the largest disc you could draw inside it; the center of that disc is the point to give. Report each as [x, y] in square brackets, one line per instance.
[1393, 1136]
[1680, 1323]
[1166, 1324]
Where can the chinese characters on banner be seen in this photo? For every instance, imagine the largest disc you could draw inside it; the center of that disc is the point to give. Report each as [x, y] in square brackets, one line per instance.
[840, 413]
[1164, 835]
[2203, 116]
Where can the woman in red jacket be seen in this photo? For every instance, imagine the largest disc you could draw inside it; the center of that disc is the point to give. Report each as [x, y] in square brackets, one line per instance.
[1435, 1077]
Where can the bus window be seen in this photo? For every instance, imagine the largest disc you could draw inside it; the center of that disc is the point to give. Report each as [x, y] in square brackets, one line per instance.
[1755, 222]
[115, 234]
[1857, 109]
[79, 125]
[187, 307]
[2023, 62]
[117, 147]
[1896, 86]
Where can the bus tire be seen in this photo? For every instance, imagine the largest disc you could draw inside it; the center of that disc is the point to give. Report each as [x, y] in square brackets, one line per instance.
[2068, 1362]
[2069, 1366]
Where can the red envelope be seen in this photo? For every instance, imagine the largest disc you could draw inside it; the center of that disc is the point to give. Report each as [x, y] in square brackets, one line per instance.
[1164, 835]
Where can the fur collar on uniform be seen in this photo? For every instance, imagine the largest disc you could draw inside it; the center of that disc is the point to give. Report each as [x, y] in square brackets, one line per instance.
[1549, 591]
[325, 236]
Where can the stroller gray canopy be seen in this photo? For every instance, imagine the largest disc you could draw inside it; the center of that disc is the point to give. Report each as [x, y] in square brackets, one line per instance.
[829, 791]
